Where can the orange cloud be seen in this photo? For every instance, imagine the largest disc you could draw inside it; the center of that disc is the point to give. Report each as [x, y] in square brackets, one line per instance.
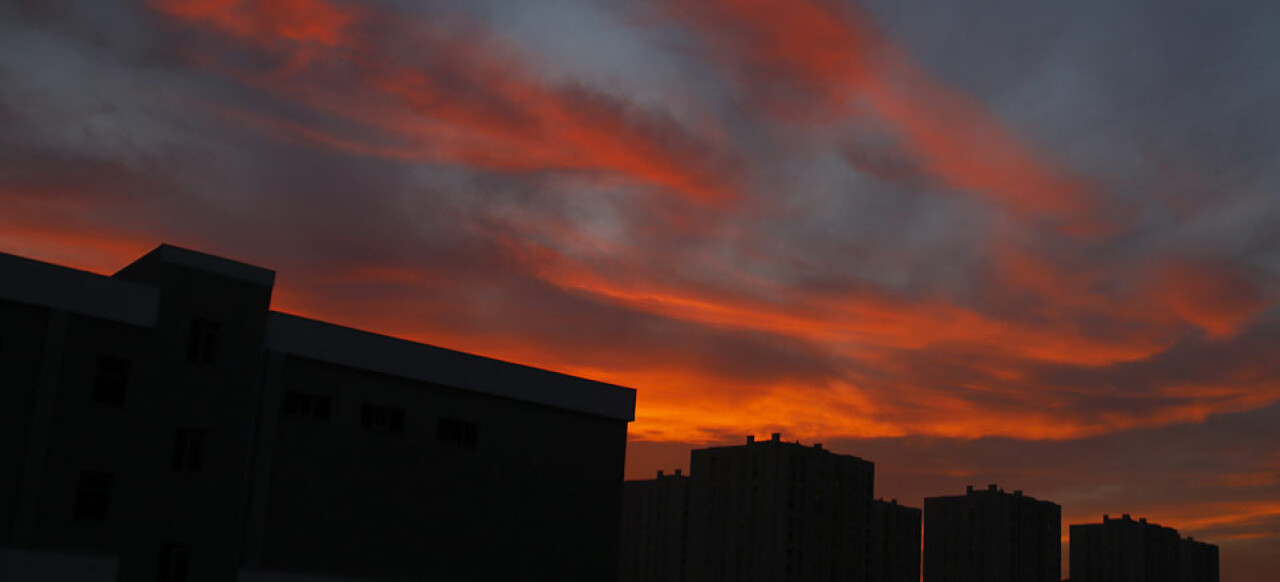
[101, 252]
[1225, 515]
[912, 391]
[1218, 298]
[895, 363]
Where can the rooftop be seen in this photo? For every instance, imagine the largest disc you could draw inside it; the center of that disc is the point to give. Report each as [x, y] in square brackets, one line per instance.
[28, 281]
[318, 340]
[32, 282]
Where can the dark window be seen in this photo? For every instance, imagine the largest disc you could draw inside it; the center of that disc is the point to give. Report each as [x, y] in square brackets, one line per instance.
[93, 494]
[111, 380]
[188, 450]
[457, 432]
[203, 346]
[382, 419]
[175, 562]
[306, 405]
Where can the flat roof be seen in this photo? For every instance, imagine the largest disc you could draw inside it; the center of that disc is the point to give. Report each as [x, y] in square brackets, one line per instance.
[990, 492]
[318, 340]
[47, 285]
[176, 255]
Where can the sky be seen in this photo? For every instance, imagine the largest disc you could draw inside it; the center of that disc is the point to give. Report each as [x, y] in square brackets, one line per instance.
[1020, 242]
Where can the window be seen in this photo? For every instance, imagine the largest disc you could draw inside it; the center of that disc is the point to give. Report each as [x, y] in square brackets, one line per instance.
[188, 450]
[175, 562]
[457, 432]
[203, 345]
[382, 419]
[305, 405]
[111, 380]
[93, 495]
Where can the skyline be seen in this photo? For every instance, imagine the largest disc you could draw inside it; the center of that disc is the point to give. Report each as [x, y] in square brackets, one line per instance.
[1024, 243]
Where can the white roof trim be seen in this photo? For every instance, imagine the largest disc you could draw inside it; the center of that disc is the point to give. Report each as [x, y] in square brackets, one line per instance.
[309, 338]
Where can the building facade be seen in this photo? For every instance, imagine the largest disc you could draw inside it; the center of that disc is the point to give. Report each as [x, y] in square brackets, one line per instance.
[991, 536]
[164, 417]
[895, 542]
[769, 511]
[1128, 550]
[779, 511]
[655, 529]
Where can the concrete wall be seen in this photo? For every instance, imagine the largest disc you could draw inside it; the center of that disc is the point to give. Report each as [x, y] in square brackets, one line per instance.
[31, 566]
[537, 494]
[527, 489]
[22, 339]
[773, 510]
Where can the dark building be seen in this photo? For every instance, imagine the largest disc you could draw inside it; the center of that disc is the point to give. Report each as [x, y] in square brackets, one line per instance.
[769, 511]
[164, 419]
[895, 542]
[1198, 561]
[992, 536]
[778, 511]
[1124, 550]
[655, 529]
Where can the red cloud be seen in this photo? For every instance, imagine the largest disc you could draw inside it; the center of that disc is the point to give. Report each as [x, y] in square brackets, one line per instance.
[824, 61]
[1217, 297]
[418, 90]
[903, 364]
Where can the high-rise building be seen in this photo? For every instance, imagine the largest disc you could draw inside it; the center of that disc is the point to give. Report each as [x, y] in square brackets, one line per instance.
[1197, 561]
[163, 421]
[777, 511]
[770, 511]
[991, 536]
[655, 528]
[895, 542]
[1126, 550]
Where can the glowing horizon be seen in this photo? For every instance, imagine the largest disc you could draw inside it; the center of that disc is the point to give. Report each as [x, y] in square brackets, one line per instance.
[888, 229]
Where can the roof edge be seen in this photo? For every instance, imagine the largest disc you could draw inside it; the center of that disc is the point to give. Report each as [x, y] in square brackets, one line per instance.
[328, 342]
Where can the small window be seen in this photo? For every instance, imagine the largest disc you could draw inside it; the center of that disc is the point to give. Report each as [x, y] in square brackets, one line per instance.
[382, 419]
[93, 495]
[111, 380]
[305, 405]
[175, 562]
[188, 450]
[457, 432]
[203, 346]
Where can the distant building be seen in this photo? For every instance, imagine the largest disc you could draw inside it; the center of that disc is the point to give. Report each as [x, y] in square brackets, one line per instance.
[895, 542]
[1197, 561]
[163, 418]
[768, 511]
[991, 536]
[1124, 550]
[778, 511]
[655, 529]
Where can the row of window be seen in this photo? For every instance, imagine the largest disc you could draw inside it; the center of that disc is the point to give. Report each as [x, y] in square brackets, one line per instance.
[381, 419]
[112, 379]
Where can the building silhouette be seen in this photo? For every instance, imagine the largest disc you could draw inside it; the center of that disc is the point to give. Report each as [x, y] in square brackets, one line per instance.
[655, 534]
[991, 536]
[1124, 550]
[165, 422]
[774, 511]
[778, 511]
[895, 542]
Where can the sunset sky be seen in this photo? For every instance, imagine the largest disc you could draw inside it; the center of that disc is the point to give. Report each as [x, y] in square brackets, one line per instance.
[997, 241]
